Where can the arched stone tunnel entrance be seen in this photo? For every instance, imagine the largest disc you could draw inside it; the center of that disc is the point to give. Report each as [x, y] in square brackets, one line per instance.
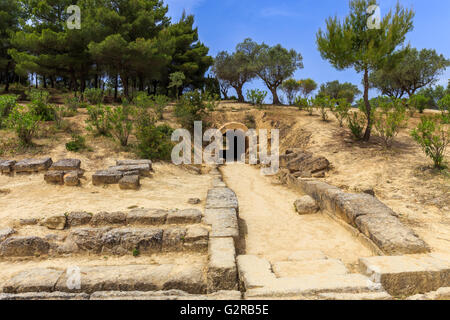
[235, 141]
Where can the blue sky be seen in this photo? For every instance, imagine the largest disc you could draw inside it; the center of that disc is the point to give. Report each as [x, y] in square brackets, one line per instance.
[294, 23]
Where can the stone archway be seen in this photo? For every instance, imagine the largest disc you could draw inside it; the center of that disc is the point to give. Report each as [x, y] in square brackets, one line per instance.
[239, 132]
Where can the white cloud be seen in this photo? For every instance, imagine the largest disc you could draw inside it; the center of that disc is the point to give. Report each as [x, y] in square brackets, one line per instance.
[176, 7]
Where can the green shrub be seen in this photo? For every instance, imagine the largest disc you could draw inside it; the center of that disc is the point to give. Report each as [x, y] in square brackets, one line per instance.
[324, 104]
[94, 96]
[121, 123]
[433, 137]
[444, 106]
[356, 123]
[194, 106]
[418, 102]
[340, 110]
[77, 143]
[7, 104]
[159, 103]
[40, 106]
[154, 142]
[143, 100]
[301, 103]
[389, 117]
[256, 97]
[24, 123]
[73, 103]
[98, 120]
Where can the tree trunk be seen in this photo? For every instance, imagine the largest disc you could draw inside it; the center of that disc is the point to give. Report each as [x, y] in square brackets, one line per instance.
[368, 107]
[225, 94]
[239, 93]
[276, 100]
[44, 80]
[7, 78]
[116, 85]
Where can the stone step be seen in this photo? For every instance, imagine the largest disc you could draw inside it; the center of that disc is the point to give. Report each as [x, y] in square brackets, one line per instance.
[408, 275]
[188, 278]
[302, 287]
[305, 255]
[124, 295]
[115, 241]
[219, 198]
[293, 269]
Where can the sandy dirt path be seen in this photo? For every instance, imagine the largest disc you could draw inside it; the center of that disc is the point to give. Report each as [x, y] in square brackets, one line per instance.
[274, 229]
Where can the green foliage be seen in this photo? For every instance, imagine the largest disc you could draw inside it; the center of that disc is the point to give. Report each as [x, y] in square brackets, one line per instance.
[176, 81]
[256, 97]
[340, 110]
[7, 104]
[418, 102]
[98, 119]
[307, 86]
[194, 106]
[39, 105]
[444, 106]
[356, 123]
[290, 87]
[336, 90]
[351, 44]
[159, 103]
[301, 103]
[408, 70]
[143, 100]
[433, 138]
[389, 118]
[324, 104]
[24, 123]
[121, 123]
[77, 143]
[154, 142]
[94, 96]
[73, 103]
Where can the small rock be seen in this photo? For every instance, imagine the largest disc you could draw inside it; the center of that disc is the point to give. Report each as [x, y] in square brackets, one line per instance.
[130, 182]
[6, 166]
[56, 222]
[28, 222]
[75, 219]
[33, 165]
[134, 162]
[5, 233]
[306, 205]
[106, 177]
[194, 201]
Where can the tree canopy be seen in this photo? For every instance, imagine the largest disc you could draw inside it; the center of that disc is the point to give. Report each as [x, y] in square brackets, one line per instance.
[336, 90]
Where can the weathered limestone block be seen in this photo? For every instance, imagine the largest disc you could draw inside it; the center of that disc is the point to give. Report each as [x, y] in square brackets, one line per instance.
[5, 233]
[222, 271]
[294, 269]
[168, 295]
[196, 233]
[23, 246]
[306, 205]
[131, 182]
[254, 272]
[88, 239]
[106, 177]
[66, 165]
[44, 296]
[33, 165]
[218, 183]
[7, 166]
[147, 216]
[355, 296]
[144, 169]
[131, 162]
[306, 163]
[173, 239]
[305, 255]
[54, 177]
[311, 285]
[34, 280]
[188, 278]
[407, 275]
[186, 216]
[72, 179]
[55, 222]
[75, 219]
[107, 218]
[390, 235]
[440, 294]
[219, 198]
[285, 158]
[28, 222]
[124, 241]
